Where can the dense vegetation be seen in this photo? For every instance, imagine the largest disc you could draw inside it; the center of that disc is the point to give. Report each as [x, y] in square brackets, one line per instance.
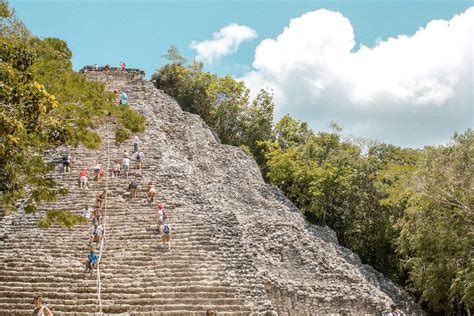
[44, 104]
[408, 213]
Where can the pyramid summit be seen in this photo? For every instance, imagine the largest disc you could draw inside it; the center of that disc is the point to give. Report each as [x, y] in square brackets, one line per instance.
[238, 245]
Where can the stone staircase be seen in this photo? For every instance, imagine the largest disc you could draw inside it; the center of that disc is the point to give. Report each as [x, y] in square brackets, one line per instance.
[239, 247]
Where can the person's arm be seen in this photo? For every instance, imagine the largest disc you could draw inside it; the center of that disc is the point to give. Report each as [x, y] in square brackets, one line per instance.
[47, 311]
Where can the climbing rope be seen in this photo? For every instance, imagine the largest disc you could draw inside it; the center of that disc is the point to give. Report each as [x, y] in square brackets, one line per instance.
[102, 241]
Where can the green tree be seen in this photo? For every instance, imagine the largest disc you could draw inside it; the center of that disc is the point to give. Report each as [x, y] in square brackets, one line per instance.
[174, 56]
[437, 239]
[229, 100]
[290, 132]
[222, 102]
[26, 127]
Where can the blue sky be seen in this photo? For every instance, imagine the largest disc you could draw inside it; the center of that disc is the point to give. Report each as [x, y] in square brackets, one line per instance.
[139, 32]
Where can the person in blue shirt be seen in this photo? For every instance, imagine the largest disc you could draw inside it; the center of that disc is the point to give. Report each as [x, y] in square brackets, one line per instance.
[91, 261]
[123, 99]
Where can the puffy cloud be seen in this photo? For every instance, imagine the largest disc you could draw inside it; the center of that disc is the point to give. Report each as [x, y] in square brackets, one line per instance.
[224, 42]
[408, 90]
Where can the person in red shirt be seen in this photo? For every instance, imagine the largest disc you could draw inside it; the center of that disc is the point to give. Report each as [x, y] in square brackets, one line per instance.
[83, 178]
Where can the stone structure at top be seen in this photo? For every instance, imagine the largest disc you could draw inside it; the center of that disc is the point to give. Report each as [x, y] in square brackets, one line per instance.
[239, 246]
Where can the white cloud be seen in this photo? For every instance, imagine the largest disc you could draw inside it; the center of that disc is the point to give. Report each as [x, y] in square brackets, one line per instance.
[408, 90]
[223, 43]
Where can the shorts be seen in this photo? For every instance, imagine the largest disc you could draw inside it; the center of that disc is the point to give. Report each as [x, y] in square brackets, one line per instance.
[66, 163]
[125, 168]
[83, 179]
[166, 237]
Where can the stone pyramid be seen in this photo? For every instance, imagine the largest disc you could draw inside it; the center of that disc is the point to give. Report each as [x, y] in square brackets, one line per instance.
[239, 246]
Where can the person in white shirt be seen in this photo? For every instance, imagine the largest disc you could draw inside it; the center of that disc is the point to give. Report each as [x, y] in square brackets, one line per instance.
[126, 166]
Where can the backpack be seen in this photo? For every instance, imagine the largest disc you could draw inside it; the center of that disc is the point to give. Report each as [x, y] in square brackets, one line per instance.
[166, 229]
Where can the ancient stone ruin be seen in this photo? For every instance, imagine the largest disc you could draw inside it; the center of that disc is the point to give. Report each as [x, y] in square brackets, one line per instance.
[239, 246]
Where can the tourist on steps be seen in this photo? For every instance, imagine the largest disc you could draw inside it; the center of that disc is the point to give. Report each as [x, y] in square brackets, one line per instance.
[116, 169]
[67, 162]
[96, 233]
[123, 99]
[151, 192]
[166, 235]
[86, 212]
[133, 186]
[126, 166]
[91, 261]
[139, 156]
[122, 66]
[40, 309]
[83, 178]
[95, 219]
[161, 217]
[136, 142]
[97, 170]
[100, 199]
